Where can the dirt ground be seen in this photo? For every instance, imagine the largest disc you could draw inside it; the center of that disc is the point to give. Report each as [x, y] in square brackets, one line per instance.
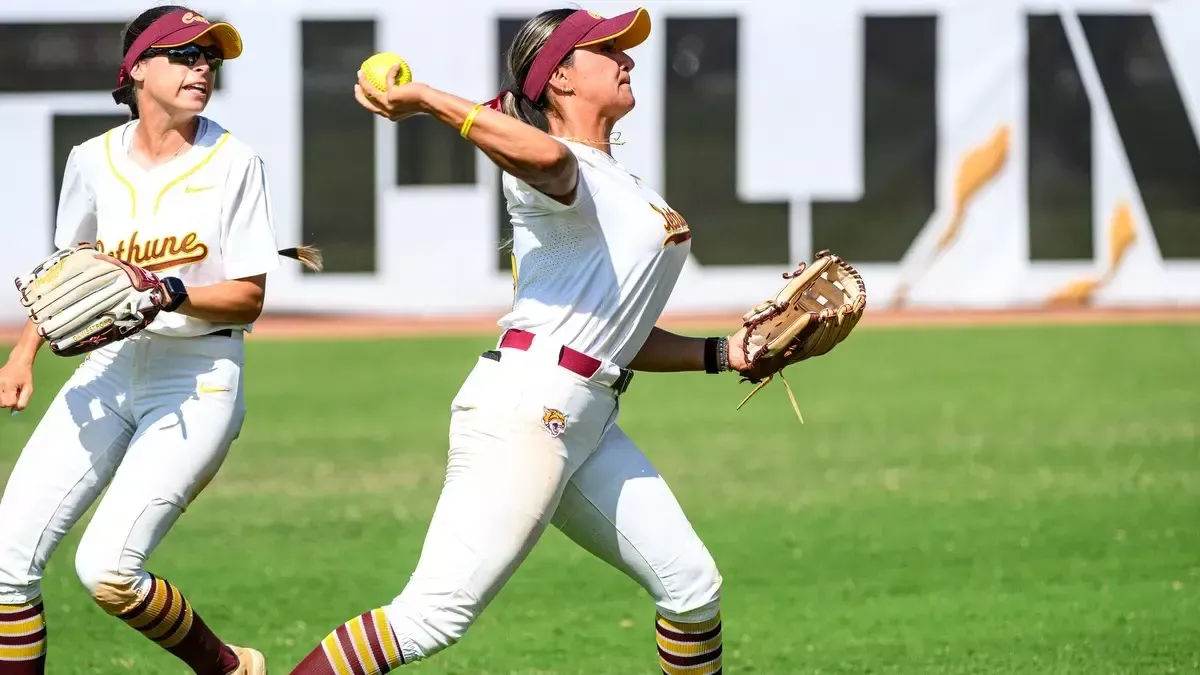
[283, 326]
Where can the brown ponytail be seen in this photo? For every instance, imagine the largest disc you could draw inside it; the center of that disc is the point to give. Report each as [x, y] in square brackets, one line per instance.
[524, 49]
[310, 256]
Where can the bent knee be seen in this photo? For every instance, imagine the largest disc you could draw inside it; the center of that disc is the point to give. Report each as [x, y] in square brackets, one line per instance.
[116, 592]
[692, 589]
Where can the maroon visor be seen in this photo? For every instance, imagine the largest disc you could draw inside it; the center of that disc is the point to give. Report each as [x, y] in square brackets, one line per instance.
[581, 29]
[175, 30]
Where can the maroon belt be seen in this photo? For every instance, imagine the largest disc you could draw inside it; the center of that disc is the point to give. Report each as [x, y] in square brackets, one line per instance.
[575, 361]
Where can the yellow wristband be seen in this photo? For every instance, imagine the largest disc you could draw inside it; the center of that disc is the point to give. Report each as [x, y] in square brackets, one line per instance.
[466, 127]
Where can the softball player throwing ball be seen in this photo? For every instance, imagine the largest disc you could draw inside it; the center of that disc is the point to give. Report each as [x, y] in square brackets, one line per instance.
[152, 416]
[533, 434]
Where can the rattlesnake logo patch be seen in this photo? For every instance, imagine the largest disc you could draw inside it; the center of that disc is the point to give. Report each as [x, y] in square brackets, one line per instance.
[554, 421]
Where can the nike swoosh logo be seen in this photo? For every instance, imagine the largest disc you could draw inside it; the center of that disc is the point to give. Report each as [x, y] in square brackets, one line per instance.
[209, 389]
[198, 188]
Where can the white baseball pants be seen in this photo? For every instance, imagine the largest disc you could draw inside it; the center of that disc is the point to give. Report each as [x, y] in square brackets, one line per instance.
[508, 478]
[153, 418]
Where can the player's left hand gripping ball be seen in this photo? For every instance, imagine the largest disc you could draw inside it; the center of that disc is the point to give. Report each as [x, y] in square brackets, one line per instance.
[81, 299]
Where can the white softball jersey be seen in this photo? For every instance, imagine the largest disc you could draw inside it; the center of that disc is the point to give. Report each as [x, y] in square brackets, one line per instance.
[203, 216]
[595, 274]
[152, 417]
[532, 443]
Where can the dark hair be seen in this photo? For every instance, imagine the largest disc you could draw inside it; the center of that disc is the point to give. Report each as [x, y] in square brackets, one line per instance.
[524, 49]
[130, 35]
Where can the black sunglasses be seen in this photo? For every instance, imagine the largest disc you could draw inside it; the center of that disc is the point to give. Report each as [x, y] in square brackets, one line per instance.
[188, 55]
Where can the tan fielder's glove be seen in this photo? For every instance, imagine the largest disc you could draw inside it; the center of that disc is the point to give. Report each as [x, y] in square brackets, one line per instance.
[81, 299]
[817, 308]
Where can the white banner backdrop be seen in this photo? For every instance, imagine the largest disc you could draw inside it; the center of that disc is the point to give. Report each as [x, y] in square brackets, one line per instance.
[437, 245]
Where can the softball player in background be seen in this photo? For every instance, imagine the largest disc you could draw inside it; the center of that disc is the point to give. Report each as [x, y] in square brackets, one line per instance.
[533, 433]
[152, 416]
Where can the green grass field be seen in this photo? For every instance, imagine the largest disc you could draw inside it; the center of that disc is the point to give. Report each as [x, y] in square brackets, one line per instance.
[987, 500]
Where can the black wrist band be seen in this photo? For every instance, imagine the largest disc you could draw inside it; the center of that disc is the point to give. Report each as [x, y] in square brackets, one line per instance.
[711, 364]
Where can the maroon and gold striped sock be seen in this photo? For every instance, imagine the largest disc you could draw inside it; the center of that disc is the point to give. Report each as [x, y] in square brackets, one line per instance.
[22, 639]
[164, 616]
[365, 645]
[689, 648]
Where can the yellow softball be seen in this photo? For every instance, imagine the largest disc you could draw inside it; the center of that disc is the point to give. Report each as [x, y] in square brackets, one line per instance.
[376, 67]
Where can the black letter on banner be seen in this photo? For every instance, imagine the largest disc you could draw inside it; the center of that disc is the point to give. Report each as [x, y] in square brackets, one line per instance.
[899, 145]
[701, 159]
[80, 57]
[1159, 139]
[1059, 179]
[337, 158]
[431, 153]
[75, 57]
[700, 162]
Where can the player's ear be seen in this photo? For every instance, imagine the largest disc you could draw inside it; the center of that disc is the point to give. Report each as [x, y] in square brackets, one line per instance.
[138, 72]
[560, 80]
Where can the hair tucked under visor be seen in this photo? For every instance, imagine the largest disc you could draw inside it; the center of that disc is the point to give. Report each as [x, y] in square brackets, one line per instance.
[546, 42]
[124, 93]
[521, 55]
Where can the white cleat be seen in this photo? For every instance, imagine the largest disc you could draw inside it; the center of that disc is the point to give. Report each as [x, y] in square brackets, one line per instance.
[250, 661]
